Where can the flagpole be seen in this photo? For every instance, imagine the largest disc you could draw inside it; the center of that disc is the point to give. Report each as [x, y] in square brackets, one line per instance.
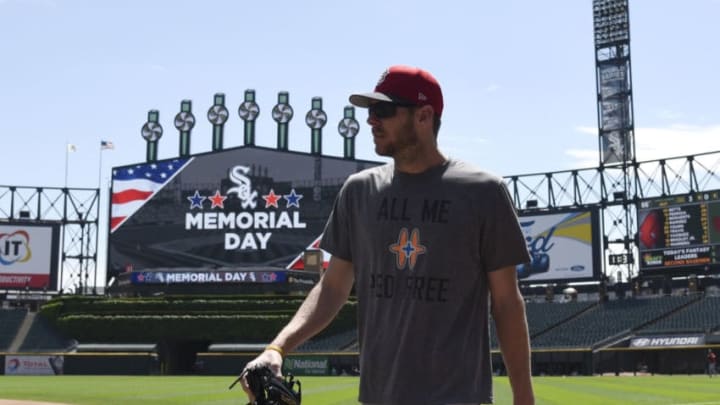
[99, 204]
[103, 145]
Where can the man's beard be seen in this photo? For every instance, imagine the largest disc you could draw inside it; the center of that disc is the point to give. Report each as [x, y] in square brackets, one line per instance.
[405, 143]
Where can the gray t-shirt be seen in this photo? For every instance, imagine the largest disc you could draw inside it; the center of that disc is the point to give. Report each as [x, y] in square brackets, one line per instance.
[421, 247]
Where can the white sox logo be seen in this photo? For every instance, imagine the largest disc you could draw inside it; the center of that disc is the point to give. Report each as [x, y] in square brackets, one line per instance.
[244, 185]
[615, 144]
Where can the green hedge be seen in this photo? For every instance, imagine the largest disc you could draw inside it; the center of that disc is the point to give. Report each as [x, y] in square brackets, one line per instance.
[153, 328]
[143, 320]
[169, 305]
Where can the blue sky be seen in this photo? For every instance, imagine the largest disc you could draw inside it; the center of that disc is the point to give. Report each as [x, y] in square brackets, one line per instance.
[518, 76]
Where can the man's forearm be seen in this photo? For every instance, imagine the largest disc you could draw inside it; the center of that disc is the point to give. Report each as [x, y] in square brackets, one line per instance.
[512, 332]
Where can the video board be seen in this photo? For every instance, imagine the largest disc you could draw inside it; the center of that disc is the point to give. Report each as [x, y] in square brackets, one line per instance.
[242, 207]
[680, 234]
[564, 247]
[29, 255]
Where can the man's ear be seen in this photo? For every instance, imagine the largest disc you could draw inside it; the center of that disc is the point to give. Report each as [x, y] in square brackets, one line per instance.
[426, 115]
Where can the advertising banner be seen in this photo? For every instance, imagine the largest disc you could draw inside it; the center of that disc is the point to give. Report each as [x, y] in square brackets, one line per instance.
[668, 341]
[29, 256]
[563, 247]
[33, 365]
[306, 365]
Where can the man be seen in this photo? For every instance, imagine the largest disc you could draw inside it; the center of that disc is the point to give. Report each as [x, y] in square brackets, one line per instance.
[431, 244]
[711, 363]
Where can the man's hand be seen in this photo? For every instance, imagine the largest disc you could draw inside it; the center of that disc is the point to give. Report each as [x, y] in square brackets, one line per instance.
[319, 308]
[268, 358]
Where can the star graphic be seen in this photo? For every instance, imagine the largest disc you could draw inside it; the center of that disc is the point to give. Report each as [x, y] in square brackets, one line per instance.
[271, 199]
[196, 200]
[293, 199]
[406, 249]
[217, 200]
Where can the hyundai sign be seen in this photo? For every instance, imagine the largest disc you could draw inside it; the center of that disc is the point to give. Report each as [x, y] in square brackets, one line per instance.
[668, 341]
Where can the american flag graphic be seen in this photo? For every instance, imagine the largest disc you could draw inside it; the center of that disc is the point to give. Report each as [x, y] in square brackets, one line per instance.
[133, 186]
[297, 263]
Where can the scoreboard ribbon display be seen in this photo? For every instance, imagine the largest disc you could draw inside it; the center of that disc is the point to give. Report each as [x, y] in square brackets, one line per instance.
[680, 232]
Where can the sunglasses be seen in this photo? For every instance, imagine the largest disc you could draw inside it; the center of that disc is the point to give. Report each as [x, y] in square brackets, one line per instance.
[384, 109]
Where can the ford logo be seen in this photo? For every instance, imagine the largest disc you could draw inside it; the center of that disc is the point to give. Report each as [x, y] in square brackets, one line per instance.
[577, 268]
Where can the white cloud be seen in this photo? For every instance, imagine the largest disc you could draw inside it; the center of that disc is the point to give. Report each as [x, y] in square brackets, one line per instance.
[492, 88]
[677, 140]
[658, 143]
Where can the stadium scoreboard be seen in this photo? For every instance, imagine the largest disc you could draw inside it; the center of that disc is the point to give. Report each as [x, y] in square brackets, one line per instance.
[680, 233]
[220, 217]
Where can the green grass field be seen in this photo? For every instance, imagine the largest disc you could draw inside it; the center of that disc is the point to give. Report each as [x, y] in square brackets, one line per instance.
[107, 390]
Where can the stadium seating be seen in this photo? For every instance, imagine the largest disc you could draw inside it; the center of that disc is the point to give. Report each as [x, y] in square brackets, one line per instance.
[544, 315]
[609, 319]
[10, 321]
[702, 316]
[334, 343]
[42, 337]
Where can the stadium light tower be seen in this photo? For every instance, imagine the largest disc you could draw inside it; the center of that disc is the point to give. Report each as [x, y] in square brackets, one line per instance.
[612, 61]
[616, 126]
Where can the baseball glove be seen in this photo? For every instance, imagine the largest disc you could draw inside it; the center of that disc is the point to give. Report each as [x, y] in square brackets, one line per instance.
[269, 389]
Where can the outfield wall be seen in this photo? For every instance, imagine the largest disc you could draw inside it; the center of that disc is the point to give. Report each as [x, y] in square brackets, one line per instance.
[669, 361]
[678, 360]
[673, 360]
[80, 363]
[331, 363]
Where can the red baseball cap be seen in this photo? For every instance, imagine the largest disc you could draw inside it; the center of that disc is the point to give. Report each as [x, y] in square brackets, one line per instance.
[404, 84]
